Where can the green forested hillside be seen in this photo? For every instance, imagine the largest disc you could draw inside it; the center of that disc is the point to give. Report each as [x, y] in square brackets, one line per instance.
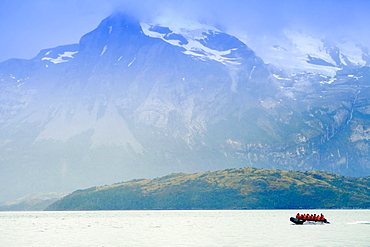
[247, 188]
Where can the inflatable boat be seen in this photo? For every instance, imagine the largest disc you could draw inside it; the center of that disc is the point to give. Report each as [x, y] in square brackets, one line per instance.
[302, 221]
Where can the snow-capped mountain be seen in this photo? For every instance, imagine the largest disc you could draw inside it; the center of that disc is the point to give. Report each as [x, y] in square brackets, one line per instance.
[203, 42]
[299, 52]
[135, 100]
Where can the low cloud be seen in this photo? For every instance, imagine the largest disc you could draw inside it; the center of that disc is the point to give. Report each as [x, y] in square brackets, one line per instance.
[28, 26]
[332, 18]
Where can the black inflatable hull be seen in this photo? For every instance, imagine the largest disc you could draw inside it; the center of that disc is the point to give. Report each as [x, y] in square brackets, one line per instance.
[297, 221]
[301, 221]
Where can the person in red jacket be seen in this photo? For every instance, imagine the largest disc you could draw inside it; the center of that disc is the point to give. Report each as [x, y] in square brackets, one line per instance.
[315, 217]
[321, 217]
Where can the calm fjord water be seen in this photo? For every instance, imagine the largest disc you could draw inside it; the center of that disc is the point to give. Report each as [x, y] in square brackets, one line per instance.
[182, 228]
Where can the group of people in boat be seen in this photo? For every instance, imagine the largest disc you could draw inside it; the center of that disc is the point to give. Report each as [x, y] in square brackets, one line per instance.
[312, 217]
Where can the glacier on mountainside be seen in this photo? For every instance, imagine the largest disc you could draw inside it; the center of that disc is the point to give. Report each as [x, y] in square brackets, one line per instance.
[298, 52]
[193, 39]
[291, 50]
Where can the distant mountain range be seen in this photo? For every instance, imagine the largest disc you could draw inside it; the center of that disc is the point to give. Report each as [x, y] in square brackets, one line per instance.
[246, 188]
[135, 100]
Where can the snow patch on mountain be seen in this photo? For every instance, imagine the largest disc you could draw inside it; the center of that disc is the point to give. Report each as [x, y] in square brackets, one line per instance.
[281, 78]
[104, 50]
[131, 62]
[193, 38]
[60, 58]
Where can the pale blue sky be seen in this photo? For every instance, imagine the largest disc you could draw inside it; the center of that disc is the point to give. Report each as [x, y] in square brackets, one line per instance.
[27, 26]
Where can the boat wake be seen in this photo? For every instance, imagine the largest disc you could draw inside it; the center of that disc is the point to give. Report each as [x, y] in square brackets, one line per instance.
[314, 223]
[359, 223]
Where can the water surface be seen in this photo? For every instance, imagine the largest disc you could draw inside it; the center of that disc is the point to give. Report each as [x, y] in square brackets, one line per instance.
[182, 228]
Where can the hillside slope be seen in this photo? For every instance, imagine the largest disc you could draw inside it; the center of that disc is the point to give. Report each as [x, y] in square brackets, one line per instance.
[231, 188]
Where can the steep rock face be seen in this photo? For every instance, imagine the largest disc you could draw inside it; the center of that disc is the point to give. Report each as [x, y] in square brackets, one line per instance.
[142, 100]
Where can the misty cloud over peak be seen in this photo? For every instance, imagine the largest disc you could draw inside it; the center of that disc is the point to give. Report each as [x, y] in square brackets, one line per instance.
[28, 27]
[331, 19]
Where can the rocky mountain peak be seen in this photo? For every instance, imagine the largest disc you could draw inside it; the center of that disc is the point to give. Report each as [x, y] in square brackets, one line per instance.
[138, 100]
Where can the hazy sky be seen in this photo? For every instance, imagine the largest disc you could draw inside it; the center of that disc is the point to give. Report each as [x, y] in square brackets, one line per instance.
[27, 26]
